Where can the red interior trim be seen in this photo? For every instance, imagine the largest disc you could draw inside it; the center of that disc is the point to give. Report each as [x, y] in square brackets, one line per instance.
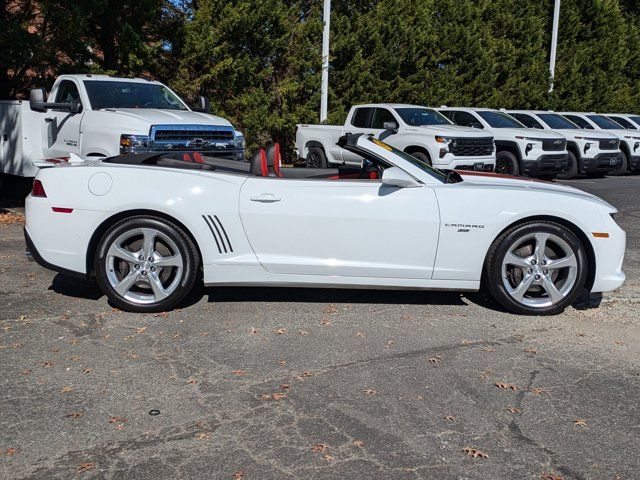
[263, 163]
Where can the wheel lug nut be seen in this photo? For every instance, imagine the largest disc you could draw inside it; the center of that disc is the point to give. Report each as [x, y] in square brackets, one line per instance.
[537, 277]
[546, 272]
[533, 262]
[144, 273]
[151, 259]
[141, 258]
[153, 269]
[136, 266]
[530, 271]
[543, 263]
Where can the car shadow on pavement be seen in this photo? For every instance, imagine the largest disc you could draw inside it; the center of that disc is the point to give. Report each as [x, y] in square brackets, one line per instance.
[75, 287]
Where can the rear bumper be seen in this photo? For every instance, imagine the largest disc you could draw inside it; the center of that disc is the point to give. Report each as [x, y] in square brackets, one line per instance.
[546, 164]
[34, 256]
[602, 162]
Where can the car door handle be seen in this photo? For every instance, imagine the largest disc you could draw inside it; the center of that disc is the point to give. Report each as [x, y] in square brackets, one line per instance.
[265, 198]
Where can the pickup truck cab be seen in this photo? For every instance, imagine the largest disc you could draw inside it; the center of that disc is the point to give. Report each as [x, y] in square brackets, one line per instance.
[519, 150]
[102, 116]
[414, 129]
[591, 153]
[629, 142]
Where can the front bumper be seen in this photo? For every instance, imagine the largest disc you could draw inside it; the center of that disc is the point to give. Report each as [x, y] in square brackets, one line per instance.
[603, 162]
[486, 164]
[548, 164]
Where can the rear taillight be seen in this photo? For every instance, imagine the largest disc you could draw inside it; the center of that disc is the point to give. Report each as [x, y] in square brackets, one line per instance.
[38, 190]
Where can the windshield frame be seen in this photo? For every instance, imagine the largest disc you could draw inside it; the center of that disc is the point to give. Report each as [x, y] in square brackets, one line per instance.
[89, 84]
[543, 118]
[501, 115]
[402, 111]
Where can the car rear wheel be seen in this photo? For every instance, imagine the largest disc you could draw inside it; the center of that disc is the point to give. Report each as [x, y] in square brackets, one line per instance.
[146, 264]
[572, 169]
[316, 158]
[507, 163]
[536, 268]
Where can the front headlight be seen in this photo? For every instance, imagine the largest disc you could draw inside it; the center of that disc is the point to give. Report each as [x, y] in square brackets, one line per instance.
[240, 141]
[134, 143]
[441, 139]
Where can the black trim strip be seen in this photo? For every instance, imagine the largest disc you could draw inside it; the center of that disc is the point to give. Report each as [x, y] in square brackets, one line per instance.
[217, 230]
[213, 233]
[225, 232]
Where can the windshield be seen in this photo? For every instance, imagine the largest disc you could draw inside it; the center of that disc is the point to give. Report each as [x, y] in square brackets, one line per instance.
[417, 117]
[556, 122]
[604, 122]
[434, 172]
[500, 120]
[110, 94]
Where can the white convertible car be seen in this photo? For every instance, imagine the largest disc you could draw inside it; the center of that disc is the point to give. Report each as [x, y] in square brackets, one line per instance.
[149, 226]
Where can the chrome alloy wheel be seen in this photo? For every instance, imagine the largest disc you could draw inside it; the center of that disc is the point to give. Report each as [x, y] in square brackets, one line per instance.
[539, 270]
[144, 265]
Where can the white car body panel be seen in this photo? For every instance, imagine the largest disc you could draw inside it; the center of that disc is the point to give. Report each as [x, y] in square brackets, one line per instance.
[346, 233]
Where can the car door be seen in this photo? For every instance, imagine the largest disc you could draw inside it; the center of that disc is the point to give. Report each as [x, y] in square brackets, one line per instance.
[62, 128]
[344, 228]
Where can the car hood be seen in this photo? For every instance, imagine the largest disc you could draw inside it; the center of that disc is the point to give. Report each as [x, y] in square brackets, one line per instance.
[572, 132]
[508, 182]
[154, 116]
[526, 132]
[451, 130]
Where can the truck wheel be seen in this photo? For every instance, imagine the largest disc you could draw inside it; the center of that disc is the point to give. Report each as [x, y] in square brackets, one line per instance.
[622, 168]
[536, 268]
[572, 168]
[423, 157]
[316, 158]
[146, 264]
[507, 163]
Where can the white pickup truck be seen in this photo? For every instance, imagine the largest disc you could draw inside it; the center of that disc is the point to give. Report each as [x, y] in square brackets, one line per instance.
[101, 116]
[420, 131]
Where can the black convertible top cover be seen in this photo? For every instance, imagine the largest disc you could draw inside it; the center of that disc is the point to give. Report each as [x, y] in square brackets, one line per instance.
[181, 160]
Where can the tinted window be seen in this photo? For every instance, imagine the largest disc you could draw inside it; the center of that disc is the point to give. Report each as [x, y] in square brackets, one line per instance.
[635, 119]
[421, 116]
[67, 92]
[581, 122]
[382, 116]
[604, 122]
[556, 122]
[361, 117]
[113, 94]
[527, 120]
[624, 122]
[464, 119]
[499, 120]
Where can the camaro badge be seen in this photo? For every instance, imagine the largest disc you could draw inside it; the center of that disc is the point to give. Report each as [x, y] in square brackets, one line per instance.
[463, 227]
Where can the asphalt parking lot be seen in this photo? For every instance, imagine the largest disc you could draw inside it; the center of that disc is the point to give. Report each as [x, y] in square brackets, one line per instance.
[252, 383]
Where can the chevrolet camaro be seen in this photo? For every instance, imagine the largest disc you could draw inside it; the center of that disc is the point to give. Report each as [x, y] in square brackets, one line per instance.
[149, 226]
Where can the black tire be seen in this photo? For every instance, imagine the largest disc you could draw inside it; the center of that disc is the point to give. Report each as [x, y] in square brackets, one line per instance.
[182, 282]
[572, 168]
[494, 280]
[623, 168]
[507, 163]
[423, 157]
[316, 158]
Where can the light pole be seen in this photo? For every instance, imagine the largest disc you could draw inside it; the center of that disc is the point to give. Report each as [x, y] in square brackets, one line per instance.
[554, 44]
[324, 99]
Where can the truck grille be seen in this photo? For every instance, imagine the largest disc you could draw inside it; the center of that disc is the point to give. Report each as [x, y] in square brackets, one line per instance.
[471, 147]
[609, 144]
[192, 137]
[554, 145]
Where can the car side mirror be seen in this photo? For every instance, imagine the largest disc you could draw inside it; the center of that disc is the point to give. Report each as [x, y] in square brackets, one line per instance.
[390, 125]
[75, 107]
[36, 100]
[396, 177]
[203, 104]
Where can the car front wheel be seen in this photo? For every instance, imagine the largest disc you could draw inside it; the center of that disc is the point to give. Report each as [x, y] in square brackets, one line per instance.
[536, 268]
[146, 264]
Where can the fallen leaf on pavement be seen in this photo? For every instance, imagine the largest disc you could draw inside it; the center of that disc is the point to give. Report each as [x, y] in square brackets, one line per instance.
[85, 467]
[302, 332]
[239, 475]
[506, 386]
[512, 409]
[530, 350]
[272, 396]
[192, 381]
[436, 359]
[87, 370]
[369, 391]
[117, 419]
[47, 364]
[325, 322]
[488, 349]
[449, 418]
[358, 443]
[75, 415]
[10, 452]
[285, 386]
[280, 331]
[360, 334]
[253, 331]
[66, 389]
[474, 452]
[580, 423]
[238, 372]
[539, 390]
[203, 435]
[330, 309]
[319, 448]
[550, 476]
[141, 329]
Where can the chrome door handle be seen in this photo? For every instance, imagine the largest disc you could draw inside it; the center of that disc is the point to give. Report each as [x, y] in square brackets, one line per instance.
[265, 198]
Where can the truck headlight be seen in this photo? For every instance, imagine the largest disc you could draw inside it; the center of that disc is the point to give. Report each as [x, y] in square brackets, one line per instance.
[240, 141]
[441, 139]
[134, 143]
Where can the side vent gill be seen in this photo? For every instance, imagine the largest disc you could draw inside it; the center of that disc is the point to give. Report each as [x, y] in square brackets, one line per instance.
[219, 233]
